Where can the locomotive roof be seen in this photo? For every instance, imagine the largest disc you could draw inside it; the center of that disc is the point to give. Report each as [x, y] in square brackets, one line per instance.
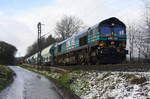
[95, 26]
[104, 22]
[112, 20]
[78, 35]
[64, 40]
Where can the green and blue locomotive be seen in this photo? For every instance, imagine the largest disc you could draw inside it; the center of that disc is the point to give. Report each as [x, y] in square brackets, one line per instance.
[103, 43]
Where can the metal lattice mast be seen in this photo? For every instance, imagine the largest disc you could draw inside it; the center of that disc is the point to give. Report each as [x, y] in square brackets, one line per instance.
[39, 43]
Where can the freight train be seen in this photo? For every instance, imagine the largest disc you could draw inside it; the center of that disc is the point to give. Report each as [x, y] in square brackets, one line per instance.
[103, 43]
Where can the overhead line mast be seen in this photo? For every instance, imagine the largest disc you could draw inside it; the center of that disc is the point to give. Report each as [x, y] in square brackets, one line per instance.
[39, 43]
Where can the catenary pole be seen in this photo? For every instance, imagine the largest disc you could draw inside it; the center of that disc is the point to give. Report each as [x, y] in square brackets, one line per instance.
[39, 44]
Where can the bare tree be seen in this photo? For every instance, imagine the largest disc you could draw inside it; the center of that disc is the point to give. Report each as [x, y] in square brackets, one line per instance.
[67, 26]
[138, 42]
[139, 37]
[135, 42]
[146, 31]
[32, 49]
[133, 34]
[131, 38]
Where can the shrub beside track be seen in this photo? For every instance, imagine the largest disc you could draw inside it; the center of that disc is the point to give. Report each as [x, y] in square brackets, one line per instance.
[6, 76]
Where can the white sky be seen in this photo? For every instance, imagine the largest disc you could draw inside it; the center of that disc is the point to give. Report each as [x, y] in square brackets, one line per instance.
[18, 22]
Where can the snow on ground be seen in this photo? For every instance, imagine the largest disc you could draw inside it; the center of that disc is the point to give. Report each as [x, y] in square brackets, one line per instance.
[111, 85]
[107, 85]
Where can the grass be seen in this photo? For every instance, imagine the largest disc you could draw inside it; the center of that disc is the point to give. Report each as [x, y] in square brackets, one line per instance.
[6, 76]
[63, 79]
[26, 66]
[133, 79]
[138, 80]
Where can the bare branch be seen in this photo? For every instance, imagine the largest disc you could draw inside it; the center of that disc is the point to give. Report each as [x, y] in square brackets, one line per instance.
[68, 26]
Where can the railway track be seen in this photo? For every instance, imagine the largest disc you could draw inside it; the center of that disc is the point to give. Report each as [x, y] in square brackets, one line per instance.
[109, 67]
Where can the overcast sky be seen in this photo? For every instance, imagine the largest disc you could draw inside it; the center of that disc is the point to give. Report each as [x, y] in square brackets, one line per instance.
[19, 18]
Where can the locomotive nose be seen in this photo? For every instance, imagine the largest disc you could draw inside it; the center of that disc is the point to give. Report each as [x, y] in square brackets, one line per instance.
[108, 51]
[112, 51]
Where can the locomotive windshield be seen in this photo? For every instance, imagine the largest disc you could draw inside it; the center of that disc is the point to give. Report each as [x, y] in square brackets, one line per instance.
[119, 31]
[112, 26]
[105, 30]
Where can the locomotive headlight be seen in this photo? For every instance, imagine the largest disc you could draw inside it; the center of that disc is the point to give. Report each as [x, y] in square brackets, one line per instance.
[113, 24]
[123, 44]
[102, 44]
[112, 33]
[112, 42]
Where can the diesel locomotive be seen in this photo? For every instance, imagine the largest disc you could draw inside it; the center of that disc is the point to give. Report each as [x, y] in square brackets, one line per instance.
[103, 43]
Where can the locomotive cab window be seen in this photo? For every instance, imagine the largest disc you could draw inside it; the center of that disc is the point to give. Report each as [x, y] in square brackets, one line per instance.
[105, 30]
[119, 30]
[83, 40]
